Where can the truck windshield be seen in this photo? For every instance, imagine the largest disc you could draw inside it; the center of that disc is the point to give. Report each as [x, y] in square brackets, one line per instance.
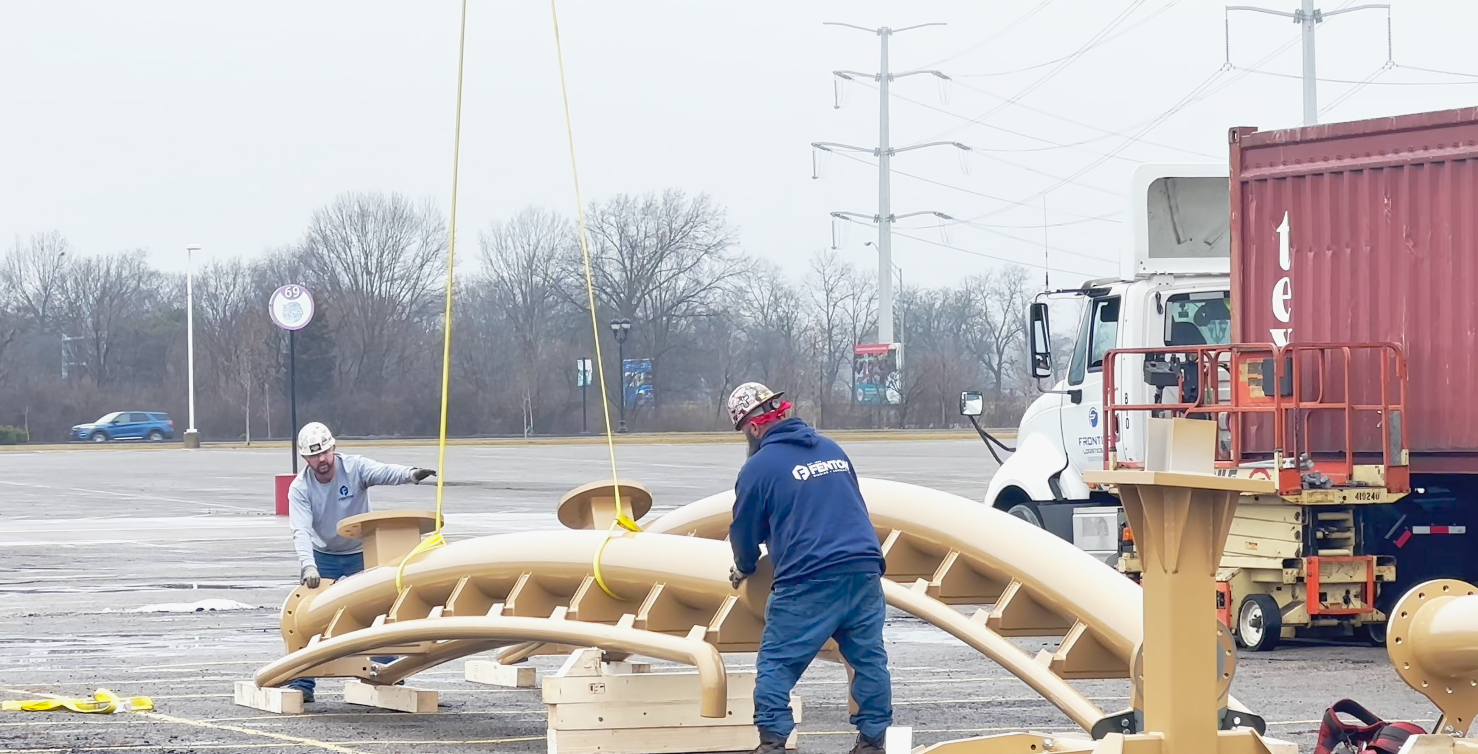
[1198, 319]
[1099, 335]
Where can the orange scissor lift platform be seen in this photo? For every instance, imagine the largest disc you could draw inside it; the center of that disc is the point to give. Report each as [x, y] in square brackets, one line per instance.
[1315, 420]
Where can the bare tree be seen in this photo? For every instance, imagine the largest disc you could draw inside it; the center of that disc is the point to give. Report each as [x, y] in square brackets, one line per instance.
[661, 261]
[104, 297]
[235, 332]
[380, 259]
[998, 334]
[522, 258]
[841, 301]
[769, 311]
[34, 276]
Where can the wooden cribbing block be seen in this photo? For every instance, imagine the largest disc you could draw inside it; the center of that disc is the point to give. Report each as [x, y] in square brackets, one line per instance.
[281, 701]
[658, 740]
[595, 710]
[498, 674]
[398, 698]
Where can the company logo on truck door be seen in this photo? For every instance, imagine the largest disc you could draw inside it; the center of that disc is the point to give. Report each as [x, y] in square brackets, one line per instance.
[1283, 289]
[1093, 417]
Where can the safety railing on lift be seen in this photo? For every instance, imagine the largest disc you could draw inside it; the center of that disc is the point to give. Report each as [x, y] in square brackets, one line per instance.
[1286, 388]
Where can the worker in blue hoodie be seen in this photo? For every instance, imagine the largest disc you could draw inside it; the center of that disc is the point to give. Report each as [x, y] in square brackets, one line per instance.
[798, 495]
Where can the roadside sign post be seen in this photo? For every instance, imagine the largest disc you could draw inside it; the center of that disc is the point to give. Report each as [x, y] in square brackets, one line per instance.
[291, 308]
[583, 371]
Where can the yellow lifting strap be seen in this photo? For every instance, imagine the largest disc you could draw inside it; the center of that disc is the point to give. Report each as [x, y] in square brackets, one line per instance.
[622, 520]
[103, 702]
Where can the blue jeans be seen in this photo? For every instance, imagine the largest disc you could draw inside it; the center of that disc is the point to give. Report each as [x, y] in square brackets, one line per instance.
[799, 618]
[332, 568]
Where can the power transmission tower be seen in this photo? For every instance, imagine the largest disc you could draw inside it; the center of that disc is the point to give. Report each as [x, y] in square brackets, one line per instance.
[884, 152]
[1308, 17]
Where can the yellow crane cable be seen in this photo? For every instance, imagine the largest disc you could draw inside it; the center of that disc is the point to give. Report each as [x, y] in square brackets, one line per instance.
[436, 540]
[622, 520]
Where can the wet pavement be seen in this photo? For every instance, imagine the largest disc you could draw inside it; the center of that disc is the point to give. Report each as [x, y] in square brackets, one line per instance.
[93, 544]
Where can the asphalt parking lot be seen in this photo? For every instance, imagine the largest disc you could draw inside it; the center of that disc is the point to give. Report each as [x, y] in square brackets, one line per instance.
[96, 545]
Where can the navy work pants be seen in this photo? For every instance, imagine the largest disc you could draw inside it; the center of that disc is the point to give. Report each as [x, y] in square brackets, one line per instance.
[332, 568]
[799, 618]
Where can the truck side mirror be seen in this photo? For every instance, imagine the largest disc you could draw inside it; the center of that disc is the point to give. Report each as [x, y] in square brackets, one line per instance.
[972, 403]
[1040, 336]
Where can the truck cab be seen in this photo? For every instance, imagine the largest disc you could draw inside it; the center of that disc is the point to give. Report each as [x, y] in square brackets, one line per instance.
[1174, 290]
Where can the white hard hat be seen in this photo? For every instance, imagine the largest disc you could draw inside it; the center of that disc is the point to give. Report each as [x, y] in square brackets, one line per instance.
[750, 398]
[314, 438]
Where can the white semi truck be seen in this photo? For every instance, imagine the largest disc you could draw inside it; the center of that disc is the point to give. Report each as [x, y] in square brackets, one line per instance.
[1173, 291]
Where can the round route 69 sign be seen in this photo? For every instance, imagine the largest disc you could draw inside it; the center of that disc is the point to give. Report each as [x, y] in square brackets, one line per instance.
[291, 307]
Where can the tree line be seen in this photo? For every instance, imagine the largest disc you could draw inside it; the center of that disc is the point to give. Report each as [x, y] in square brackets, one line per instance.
[85, 334]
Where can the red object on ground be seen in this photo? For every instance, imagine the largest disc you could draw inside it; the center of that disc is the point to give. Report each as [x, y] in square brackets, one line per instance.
[283, 482]
[1364, 232]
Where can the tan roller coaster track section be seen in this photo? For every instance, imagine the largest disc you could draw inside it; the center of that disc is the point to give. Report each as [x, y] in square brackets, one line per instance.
[521, 591]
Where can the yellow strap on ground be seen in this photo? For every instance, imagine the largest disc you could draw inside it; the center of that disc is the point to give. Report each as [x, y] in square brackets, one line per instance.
[622, 519]
[436, 540]
[103, 702]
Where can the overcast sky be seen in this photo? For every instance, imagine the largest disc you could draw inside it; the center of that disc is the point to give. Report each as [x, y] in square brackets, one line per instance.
[152, 124]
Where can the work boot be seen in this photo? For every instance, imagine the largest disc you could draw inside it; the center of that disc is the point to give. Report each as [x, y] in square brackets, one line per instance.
[770, 743]
[866, 745]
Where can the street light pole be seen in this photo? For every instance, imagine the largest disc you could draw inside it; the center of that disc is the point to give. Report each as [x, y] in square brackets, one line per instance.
[620, 328]
[192, 437]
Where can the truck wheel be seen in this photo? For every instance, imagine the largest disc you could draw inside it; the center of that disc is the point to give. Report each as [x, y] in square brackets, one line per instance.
[1259, 623]
[1374, 634]
[1027, 511]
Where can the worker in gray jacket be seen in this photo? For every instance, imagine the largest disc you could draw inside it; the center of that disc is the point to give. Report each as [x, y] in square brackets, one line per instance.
[331, 488]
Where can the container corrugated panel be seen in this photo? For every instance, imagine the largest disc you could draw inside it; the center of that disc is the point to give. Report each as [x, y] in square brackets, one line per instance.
[1381, 226]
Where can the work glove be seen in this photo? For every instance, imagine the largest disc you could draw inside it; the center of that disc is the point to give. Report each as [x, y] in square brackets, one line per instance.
[418, 475]
[309, 577]
[736, 577]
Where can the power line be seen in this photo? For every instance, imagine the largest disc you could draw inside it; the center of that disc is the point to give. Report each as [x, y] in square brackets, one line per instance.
[1434, 70]
[1094, 40]
[996, 35]
[971, 191]
[1195, 95]
[1066, 119]
[1366, 82]
[1054, 145]
[1126, 30]
[1200, 92]
[1009, 260]
[1354, 89]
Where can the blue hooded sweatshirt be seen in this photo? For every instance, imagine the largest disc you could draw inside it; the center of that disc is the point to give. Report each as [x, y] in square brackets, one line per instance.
[799, 496]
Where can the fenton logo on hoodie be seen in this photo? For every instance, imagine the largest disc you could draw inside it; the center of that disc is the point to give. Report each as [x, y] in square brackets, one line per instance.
[817, 468]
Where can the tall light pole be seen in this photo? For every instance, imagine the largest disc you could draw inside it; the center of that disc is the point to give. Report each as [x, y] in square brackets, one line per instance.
[1308, 17]
[192, 437]
[620, 328]
[884, 152]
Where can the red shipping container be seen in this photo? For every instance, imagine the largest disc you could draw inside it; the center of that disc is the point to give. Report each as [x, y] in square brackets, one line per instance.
[1368, 232]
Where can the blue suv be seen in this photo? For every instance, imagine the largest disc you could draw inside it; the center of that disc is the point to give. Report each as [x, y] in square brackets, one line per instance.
[153, 426]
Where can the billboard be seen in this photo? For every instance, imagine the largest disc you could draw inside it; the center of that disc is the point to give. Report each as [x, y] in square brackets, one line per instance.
[877, 374]
[636, 382]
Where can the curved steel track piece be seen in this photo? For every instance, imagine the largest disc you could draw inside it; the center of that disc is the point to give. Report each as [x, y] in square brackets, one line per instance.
[490, 630]
[942, 550]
